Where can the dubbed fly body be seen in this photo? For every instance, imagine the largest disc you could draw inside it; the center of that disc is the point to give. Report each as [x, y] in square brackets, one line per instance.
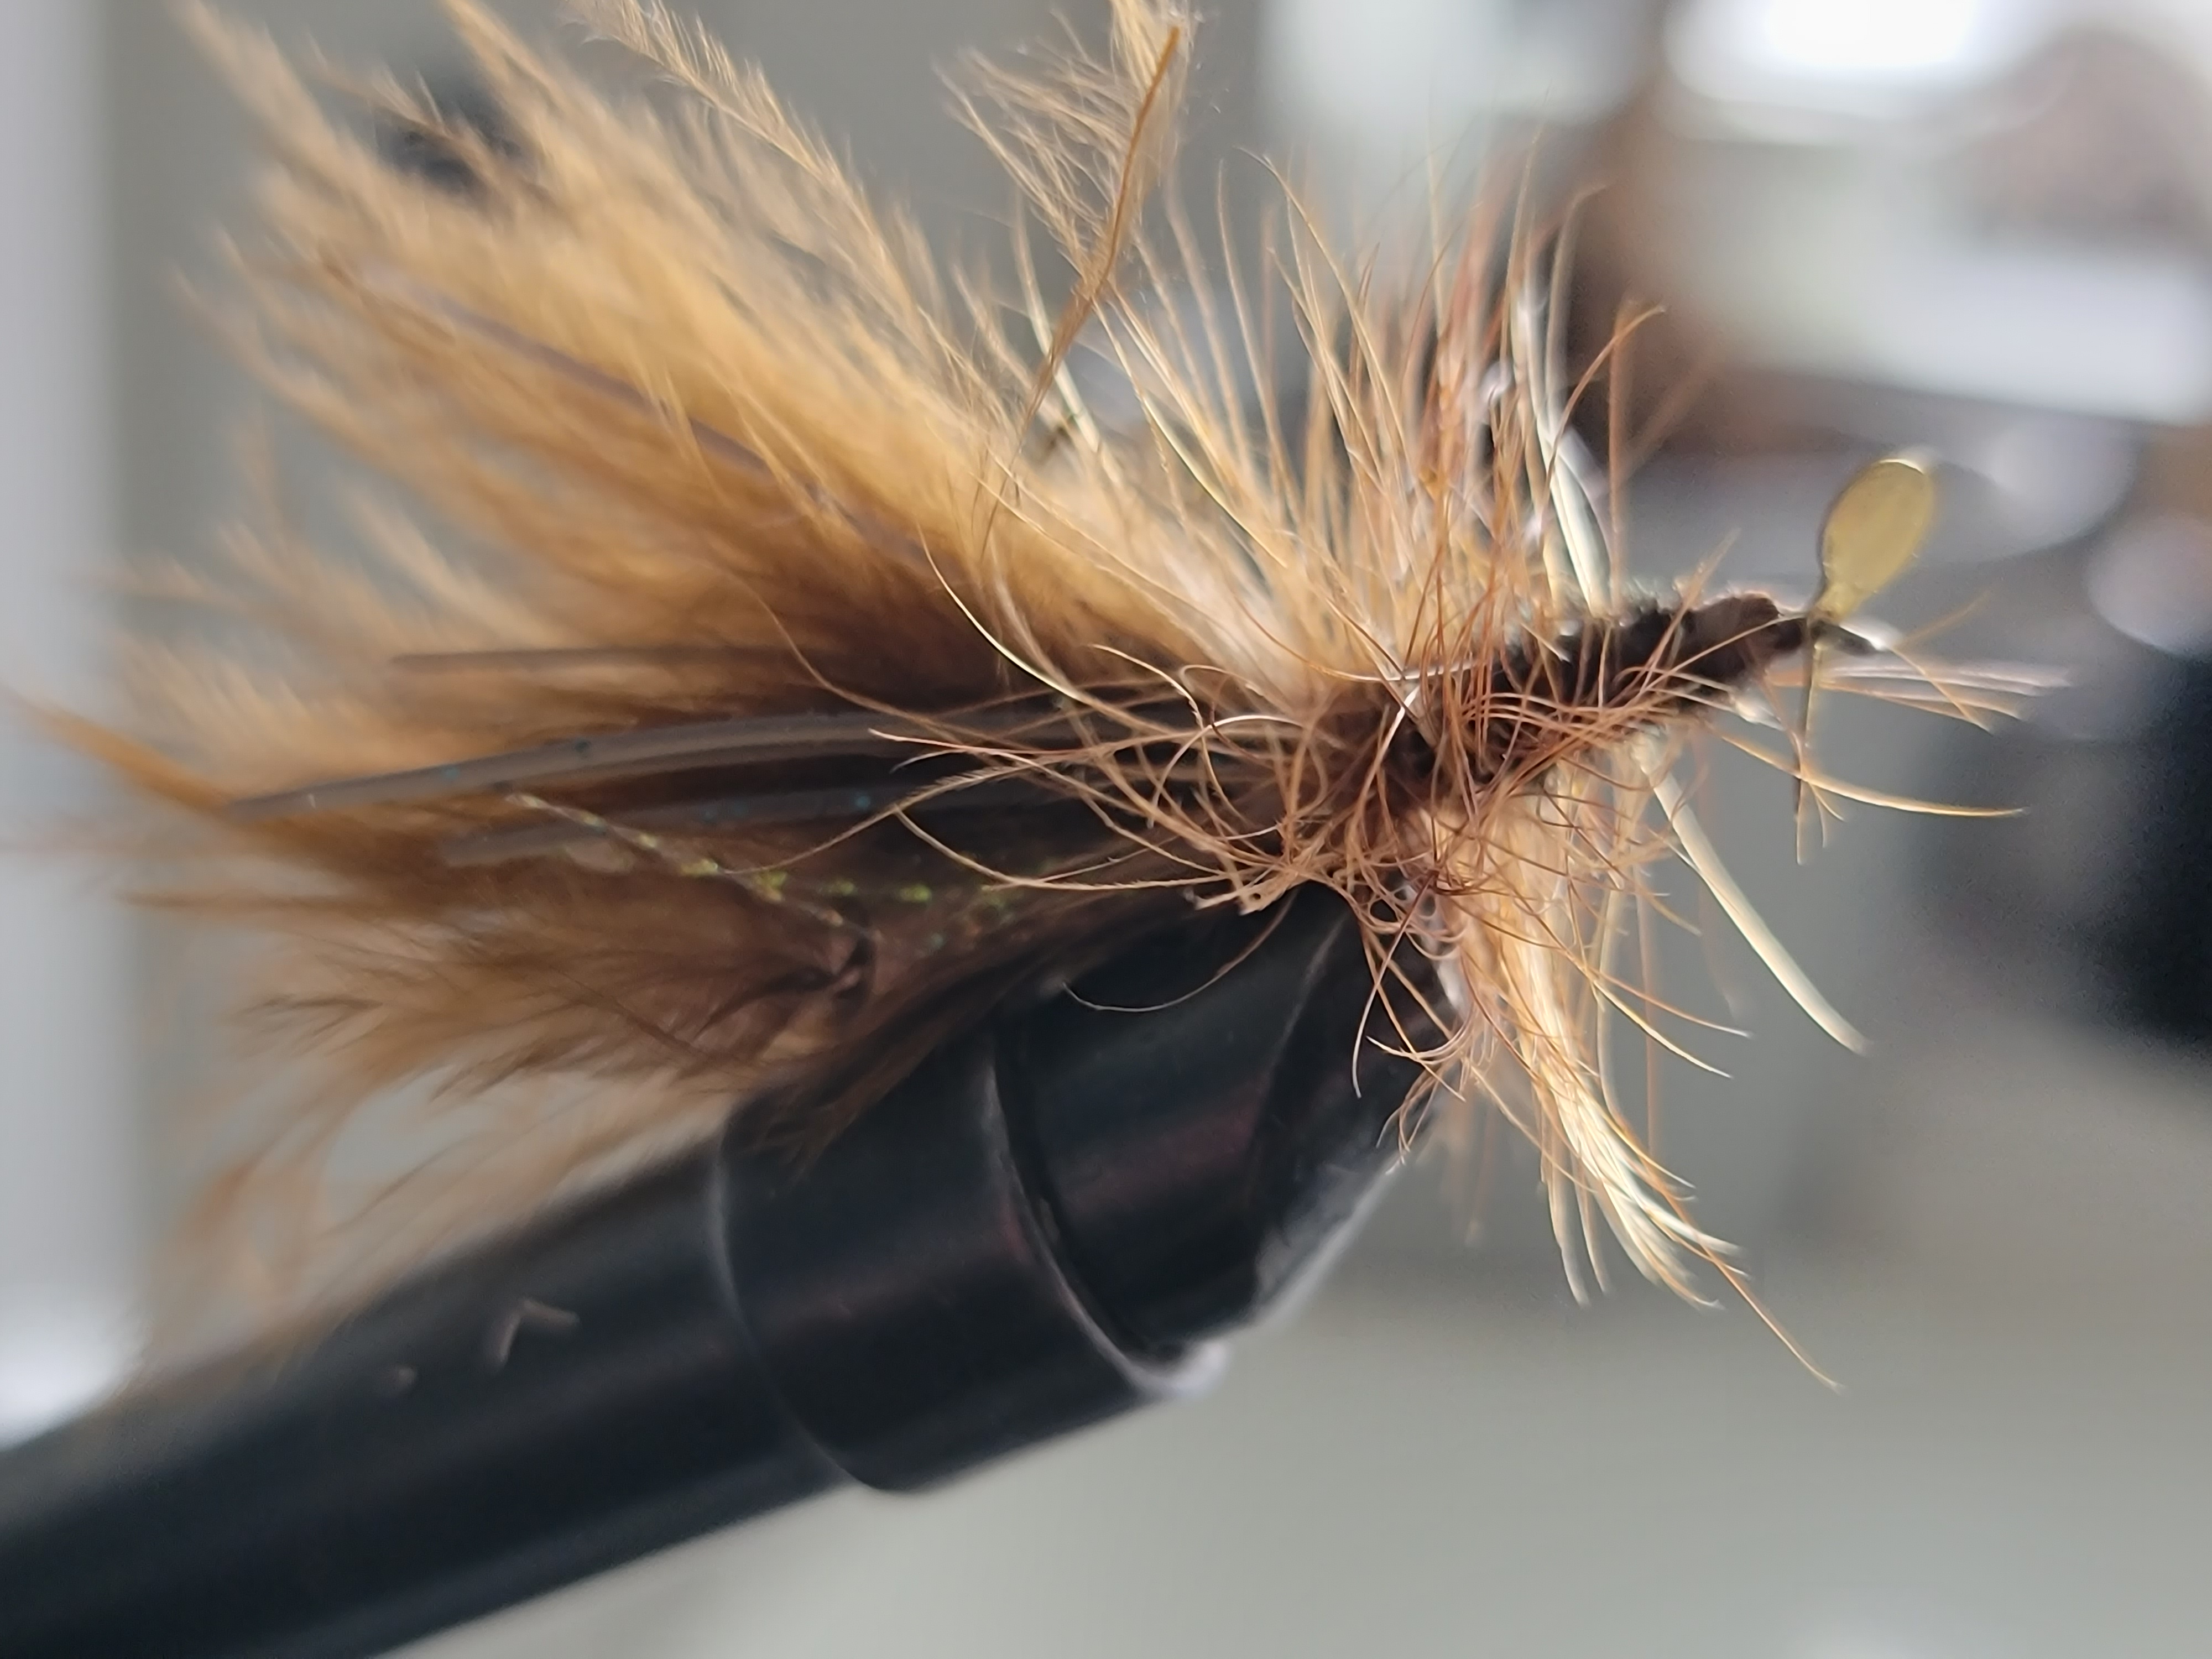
[770, 705]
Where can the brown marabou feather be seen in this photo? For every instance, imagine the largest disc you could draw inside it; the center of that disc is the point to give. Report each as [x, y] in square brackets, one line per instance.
[716, 444]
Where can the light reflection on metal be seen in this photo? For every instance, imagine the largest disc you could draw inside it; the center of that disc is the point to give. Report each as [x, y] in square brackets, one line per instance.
[1865, 56]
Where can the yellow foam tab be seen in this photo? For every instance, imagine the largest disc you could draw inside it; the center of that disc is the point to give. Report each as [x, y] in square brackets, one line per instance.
[1873, 531]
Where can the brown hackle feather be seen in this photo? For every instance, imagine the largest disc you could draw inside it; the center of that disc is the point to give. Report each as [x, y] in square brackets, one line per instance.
[812, 666]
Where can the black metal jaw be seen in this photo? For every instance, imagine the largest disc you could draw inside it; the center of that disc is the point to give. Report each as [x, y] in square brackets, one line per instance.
[1045, 1226]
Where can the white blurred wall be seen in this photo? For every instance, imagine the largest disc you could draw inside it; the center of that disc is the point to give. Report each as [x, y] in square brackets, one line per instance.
[68, 1228]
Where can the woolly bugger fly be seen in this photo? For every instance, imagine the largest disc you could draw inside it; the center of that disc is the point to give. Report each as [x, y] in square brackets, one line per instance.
[807, 663]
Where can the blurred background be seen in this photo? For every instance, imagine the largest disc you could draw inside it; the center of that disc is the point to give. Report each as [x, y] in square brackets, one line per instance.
[1983, 226]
